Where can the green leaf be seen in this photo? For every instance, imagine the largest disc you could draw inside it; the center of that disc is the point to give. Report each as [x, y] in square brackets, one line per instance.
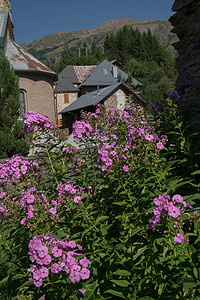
[195, 272]
[190, 283]
[90, 288]
[140, 251]
[4, 280]
[101, 218]
[196, 172]
[115, 293]
[146, 298]
[18, 276]
[123, 283]
[122, 273]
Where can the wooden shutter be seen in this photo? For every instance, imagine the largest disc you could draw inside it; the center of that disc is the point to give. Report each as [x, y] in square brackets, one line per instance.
[66, 98]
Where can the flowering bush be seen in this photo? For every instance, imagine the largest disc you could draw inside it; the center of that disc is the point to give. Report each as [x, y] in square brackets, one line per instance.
[101, 196]
[54, 256]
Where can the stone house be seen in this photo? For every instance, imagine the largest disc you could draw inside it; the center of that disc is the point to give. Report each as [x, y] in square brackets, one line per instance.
[36, 81]
[67, 90]
[101, 85]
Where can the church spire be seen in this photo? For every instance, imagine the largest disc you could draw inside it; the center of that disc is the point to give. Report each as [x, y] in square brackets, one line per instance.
[5, 5]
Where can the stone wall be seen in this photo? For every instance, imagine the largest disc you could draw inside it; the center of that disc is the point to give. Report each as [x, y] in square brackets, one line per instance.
[186, 24]
[39, 93]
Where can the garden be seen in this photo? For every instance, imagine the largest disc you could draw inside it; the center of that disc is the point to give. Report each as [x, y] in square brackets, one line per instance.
[115, 218]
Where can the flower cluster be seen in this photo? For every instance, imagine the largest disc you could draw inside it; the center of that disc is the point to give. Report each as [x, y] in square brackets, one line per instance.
[69, 190]
[174, 209]
[81, 129]
[52, 256]
[120, 148]
[34, 122]
[15, 168]
[174, 96]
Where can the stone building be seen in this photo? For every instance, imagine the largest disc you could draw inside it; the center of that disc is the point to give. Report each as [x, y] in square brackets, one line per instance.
[186, 22]
[36, 81]
[86, 86]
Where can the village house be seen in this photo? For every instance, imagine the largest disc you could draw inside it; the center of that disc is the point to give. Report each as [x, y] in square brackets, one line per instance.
[36, 81]
[103, 85]
[67, 90]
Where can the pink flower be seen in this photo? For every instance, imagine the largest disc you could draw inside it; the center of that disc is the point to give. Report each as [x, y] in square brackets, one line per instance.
[71, 244]
[42, 251]
[149, 137]
[47, 260]
[174, 211]
[177, 198]
[38, 283]
[53, 210]
[126, 168]
[84, 262]
[44, 272]
[77, 199]
[82, 292]
[179, 237]
[23, 221]
[74, 276]
[56, 252]
[55, 268]
[160, 145]
[37, 274]
[85, 273]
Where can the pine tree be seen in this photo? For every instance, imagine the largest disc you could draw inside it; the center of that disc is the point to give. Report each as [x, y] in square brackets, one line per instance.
[11, 131]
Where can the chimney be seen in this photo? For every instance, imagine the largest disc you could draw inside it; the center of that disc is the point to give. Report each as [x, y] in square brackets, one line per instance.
[115, 74]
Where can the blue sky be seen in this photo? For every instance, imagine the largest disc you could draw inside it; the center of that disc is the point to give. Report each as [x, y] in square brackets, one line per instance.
[35, 18]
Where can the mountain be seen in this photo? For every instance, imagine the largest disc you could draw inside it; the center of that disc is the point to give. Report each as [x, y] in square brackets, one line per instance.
[48, 48]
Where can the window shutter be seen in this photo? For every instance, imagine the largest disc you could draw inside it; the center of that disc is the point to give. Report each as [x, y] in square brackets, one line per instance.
[66, 98]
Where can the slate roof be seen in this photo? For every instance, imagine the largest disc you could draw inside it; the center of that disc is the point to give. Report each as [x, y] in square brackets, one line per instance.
[3, 26]
[66, 78]
[95, 97]
[21, 60]
[102, 75]
[71, 75]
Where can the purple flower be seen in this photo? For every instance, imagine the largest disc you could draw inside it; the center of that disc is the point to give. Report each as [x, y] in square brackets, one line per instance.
[44, 272]
[56, 252]
[160, 145]
[82, 292]
[125, 168]
[74, 276]
[42, 251]
[179, 238]
[85, 273]
[84, 262]
[174, 211]
[177, 198]
[53, 210]
[77, 199]
[55, 268]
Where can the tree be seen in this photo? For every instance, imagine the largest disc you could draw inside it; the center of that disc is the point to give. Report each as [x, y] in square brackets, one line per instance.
[11, 128]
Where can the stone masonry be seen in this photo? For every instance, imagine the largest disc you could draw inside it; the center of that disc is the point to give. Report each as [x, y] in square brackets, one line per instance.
[186, 22]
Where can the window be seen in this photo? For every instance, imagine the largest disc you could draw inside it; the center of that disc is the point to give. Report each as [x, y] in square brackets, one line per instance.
[22, 101]
[66, 98]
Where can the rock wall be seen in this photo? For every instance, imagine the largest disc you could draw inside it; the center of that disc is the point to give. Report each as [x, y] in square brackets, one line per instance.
[186, 22]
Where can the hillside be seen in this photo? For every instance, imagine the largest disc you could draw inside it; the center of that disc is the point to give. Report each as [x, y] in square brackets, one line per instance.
[48, 48]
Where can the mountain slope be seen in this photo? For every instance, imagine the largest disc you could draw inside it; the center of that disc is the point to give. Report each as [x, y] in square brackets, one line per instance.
[48, 48]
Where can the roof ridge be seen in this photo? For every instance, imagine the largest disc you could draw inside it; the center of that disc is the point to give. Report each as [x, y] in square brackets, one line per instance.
[26, 58]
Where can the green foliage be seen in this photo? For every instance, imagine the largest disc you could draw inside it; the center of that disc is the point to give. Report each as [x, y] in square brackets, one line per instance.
[128, 259]
[157, 79]
[11, 133]
[128, 44]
